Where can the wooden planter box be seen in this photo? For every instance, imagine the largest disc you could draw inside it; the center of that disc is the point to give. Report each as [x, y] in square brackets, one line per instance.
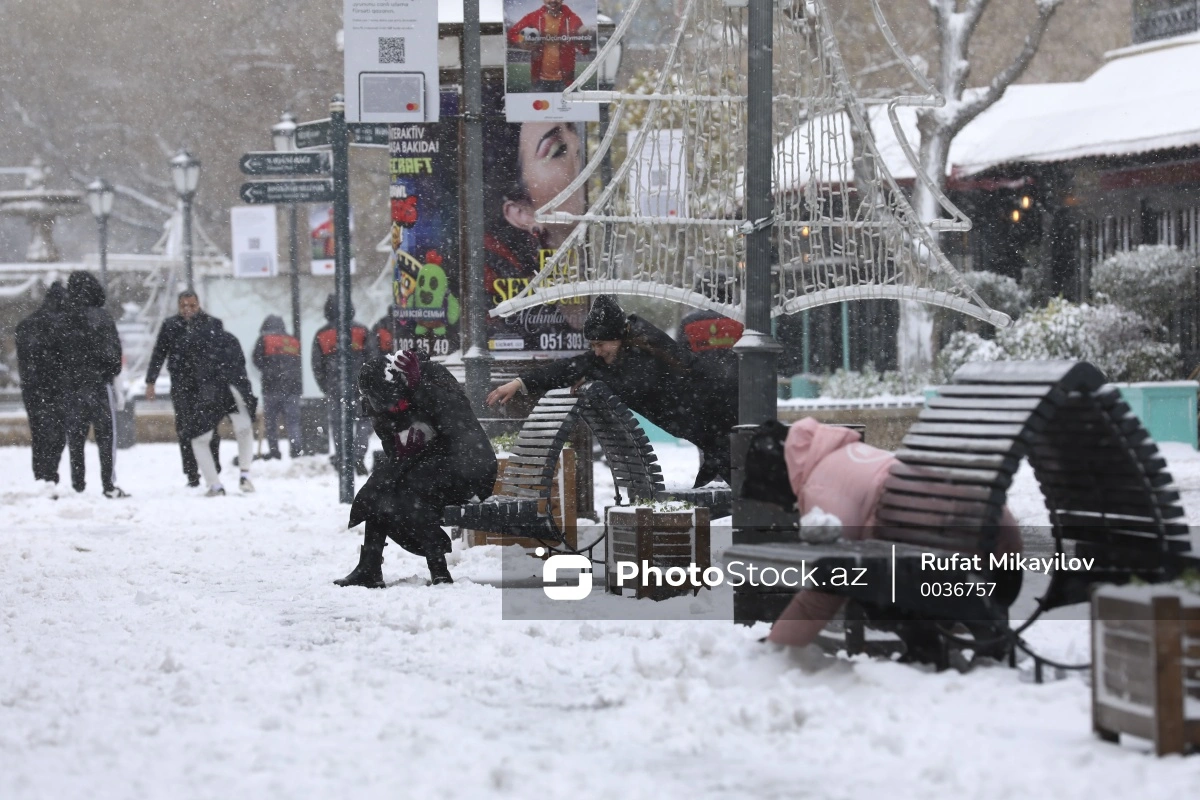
[563, 505]
[662, 539]
[1146, 665]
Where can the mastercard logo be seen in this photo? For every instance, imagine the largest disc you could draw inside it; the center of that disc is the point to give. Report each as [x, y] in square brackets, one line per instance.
[541, 105]
[412, 106]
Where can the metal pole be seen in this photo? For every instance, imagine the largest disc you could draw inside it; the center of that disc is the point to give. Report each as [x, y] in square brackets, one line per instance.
[187, 242]
[477, 361]
[805, 345]
[846, 336]
[606, 162]
[757, 350]
[339, 139]
[294, 262]
[104, 252]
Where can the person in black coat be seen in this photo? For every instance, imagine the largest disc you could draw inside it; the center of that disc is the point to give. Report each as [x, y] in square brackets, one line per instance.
[222, 390]
[437, 455]
[653, 375]
[181, 340]
[90, 363]
[277, 357]
[325, 369]
[40, 349]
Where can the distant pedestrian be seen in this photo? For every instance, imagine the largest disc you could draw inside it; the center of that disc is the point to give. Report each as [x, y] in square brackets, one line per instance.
[91, 362]
[40, 352]
[382, 331]
[179, 341]
[223, 390]
[325, 370]
[277, 357]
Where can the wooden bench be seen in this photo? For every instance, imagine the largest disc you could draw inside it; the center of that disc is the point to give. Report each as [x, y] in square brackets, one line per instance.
[1107, 489]
[522, 506]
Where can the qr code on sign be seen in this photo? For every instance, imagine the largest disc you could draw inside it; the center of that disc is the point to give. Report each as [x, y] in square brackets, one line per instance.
[391, 49]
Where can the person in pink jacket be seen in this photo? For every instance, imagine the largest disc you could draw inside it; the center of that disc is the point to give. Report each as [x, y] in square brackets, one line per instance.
[831, 469]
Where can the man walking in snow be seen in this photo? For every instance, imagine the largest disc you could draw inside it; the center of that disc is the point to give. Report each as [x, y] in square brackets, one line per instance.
[222, 389]
[181, 341]
[277, 357]
[40, 350]
[91, 362]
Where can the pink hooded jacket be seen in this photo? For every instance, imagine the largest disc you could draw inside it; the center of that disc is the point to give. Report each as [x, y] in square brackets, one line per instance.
[829, 468]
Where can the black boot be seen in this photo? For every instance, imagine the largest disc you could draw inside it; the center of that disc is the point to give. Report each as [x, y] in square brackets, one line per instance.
[438, 571]
[369, 572]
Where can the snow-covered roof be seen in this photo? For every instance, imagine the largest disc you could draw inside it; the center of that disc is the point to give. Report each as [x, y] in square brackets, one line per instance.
[1144, 98]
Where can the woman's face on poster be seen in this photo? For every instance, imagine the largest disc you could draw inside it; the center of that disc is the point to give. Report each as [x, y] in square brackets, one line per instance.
[550, 158]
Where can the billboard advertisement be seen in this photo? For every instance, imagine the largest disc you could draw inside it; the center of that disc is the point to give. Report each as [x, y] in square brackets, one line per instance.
[549, 42]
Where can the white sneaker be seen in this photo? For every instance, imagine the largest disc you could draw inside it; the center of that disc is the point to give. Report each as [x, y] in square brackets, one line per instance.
[245, 485]
[48, 489]
[215, 491]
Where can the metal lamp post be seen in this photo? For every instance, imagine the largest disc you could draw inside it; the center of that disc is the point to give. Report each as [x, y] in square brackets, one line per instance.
[283, 135]
[185, 172]
[100, 201]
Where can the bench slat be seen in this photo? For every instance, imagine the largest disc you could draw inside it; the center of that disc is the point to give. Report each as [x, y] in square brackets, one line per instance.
[984, 416]
[1031, 405]
[921, 427]
[1113, 537]
[1055, 396]
[993, 495]
[954, 525]
[1072, 519]
[984, 477]
[933, 537]
[1007, 447]
[1005, 464]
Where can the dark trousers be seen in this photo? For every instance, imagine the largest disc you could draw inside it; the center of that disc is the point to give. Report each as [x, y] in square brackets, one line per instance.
[362, 430]
[47, 433]
[91, 406]
[182, 401]
[286, 406]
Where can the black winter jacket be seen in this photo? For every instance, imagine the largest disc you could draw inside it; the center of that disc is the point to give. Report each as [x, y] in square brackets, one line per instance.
[180, 344]
[93, 354]
[220, 366]
[458, 462]
[41, 340]
[658, 378]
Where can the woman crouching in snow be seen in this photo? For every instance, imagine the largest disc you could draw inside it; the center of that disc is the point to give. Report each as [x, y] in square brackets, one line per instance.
[830, 470]
[437, 455]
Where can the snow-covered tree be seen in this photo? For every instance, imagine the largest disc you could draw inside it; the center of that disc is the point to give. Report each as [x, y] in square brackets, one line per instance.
[956, 22]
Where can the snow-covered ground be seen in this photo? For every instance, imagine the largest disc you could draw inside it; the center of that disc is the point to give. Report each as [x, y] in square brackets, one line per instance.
[170, 645]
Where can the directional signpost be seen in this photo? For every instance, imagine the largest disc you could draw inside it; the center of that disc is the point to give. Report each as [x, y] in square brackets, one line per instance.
[304, 191]
[362, 134]
[276, 163]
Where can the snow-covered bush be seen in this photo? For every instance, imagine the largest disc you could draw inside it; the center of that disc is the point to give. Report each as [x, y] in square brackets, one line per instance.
[1000, 292]
[1116, 340]
[1151, 280]
[868, 383]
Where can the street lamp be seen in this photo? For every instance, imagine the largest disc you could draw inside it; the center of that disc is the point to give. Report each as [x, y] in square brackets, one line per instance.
[283, 135]
[185, 172]
[100, 201]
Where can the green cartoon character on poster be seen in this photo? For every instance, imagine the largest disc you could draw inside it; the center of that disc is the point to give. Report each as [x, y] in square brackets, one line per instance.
[433, 293]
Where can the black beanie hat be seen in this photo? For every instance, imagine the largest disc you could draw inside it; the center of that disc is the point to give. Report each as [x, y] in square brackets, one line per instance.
[331, 310]
[606, 320]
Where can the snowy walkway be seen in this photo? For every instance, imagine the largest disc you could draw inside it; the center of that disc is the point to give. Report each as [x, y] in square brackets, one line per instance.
[176, 646]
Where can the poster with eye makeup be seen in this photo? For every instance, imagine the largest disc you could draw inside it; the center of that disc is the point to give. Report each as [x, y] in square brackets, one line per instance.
[549, 44]
[525, 166]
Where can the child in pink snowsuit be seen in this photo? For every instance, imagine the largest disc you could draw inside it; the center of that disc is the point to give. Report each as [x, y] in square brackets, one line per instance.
[829, 468]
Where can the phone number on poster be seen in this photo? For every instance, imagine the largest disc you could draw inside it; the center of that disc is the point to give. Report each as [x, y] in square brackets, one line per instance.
[439, 347]
[562, 341]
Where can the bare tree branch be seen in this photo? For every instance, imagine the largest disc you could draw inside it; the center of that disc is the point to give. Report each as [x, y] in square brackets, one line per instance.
[995, 90]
